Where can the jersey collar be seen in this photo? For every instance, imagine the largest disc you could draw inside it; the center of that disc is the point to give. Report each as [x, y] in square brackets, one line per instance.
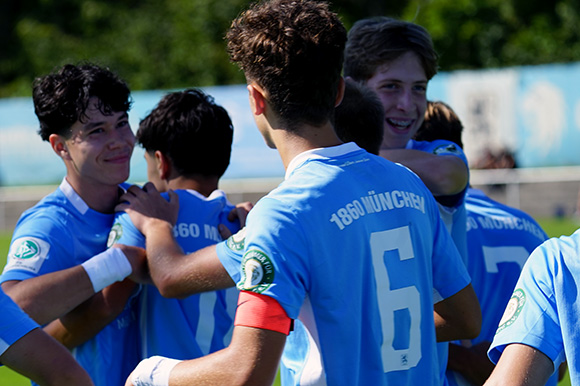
[319, 153]
[73, 196]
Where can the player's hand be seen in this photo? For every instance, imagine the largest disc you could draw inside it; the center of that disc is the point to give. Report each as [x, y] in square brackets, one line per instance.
[128, 382]
[240, 212]
[152, 371]
[146, 206]
[138, 259]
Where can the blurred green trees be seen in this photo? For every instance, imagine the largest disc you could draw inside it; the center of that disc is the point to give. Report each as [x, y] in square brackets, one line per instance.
[163, 44]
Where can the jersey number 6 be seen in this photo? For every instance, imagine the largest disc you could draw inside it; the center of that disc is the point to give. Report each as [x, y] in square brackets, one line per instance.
[391, 300]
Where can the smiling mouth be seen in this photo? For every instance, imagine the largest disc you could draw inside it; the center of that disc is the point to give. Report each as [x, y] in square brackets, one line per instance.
[400, 124]
[119, 159]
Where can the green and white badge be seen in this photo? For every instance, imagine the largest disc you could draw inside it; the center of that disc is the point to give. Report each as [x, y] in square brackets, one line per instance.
[257, 272]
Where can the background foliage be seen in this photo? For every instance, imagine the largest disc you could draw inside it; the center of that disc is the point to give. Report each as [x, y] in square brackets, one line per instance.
[163, 44]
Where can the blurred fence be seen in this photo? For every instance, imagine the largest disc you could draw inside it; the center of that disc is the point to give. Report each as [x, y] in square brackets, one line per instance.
[541, 192]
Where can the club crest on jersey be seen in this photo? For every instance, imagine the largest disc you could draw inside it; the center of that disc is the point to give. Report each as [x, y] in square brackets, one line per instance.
[449, 148]
[27, 253]
[513, 309]
[257, 272]
[27, 250]
[237, 242]
[115, 234]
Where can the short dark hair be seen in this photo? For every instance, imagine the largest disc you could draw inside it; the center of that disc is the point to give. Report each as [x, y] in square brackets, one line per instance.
[61, 98]
[440, 122]
[191, 130]
[375, 41]
[293, 49]
[360, 117]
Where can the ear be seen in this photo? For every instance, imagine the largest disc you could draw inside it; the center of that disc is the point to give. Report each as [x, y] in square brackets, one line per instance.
[58, 144]
[340, 93]
[257, 99]
[163, 165]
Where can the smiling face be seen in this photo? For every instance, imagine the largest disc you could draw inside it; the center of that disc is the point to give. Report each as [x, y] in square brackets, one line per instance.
[98, 151]
[402, 88]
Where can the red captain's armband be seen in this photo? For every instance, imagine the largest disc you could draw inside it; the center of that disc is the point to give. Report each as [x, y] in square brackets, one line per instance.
[261, 311]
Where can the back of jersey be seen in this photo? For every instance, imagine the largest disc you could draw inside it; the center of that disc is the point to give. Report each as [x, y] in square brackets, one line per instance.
[362, 241]
[500, 239]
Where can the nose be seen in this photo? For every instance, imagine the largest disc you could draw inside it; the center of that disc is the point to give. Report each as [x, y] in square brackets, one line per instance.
[122, 138]
[405, 100]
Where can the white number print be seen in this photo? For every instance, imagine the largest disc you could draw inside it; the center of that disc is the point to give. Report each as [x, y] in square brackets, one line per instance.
[206, 321]
[398, 299]
[495, 255]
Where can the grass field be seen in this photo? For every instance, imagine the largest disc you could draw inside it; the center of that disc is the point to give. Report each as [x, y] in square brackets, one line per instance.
[553, 226]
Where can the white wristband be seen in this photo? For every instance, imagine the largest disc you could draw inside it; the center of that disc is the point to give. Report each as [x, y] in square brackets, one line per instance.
[107, 267]
[153, 371]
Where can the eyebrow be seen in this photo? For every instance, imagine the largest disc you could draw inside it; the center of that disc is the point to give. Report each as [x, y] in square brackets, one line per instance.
[92, 125]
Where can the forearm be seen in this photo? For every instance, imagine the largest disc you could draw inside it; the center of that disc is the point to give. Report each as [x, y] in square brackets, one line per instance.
[444, 175]
[89, 318]
[48, 297]
[521, 365]
[178, 275]
[251, 359]
[471, 362]
[40, 358]
[72, 336]
[458, 316]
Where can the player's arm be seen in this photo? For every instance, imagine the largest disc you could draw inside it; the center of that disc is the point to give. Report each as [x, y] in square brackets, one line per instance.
[177, 275]
[90, 317]
[444, 175]
[48, 297]
[458, 316]
[521, 365]
[252, 357]
[174, 273]
[471, 362]
[39, 357]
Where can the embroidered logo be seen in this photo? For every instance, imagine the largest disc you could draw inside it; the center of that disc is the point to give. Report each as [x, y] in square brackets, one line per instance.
[257, 272]
[115, 234]
[27, 253]
[513, 309]
[27, 249]
[237, 242]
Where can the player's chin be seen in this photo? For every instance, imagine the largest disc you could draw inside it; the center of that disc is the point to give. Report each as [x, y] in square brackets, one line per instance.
[118, 177]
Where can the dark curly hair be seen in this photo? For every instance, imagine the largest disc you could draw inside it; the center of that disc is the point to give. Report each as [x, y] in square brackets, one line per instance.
[376, 41]
[294, 50]
[360, 117]
[191, 130]
[441, 122]
[61, 99]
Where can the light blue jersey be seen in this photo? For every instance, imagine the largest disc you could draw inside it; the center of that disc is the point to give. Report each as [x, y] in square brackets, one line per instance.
[199, 324]
[543, 310]
[61, 232]
[14, 323]
[452, 210]
[500, 239]
[353, 245]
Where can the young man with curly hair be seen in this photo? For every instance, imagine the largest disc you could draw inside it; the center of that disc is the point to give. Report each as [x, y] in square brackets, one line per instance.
[58, 269]
[353, 255]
